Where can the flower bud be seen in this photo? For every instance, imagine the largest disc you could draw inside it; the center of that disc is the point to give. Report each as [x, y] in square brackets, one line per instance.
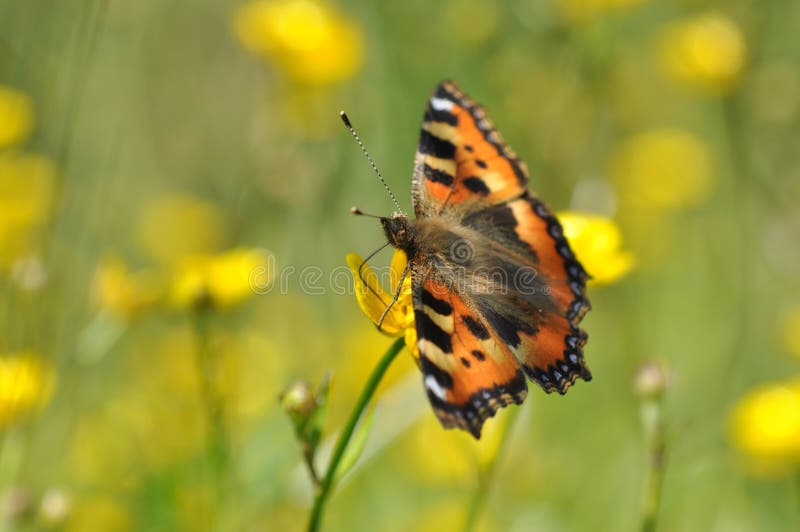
[650, 381]
[298, 400]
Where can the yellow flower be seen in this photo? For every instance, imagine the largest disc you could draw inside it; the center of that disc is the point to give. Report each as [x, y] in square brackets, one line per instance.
[792, 332]
[582, 11]
[373, 300]
[307, 39]
[221, 280]
[16, 116]
[765, 427]
[663, 169]
[27, 183]
[707, 51]
[120, 292]
[26, 384]
[597, 243]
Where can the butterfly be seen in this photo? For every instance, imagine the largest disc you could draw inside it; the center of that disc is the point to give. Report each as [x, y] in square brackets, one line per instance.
[497, 292]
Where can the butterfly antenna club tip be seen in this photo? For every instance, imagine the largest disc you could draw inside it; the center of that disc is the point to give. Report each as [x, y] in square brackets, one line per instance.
[359, 212]
[346, 120]
[363, 148]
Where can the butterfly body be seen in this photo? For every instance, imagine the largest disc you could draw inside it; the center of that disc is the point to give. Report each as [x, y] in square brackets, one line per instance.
[497, 291]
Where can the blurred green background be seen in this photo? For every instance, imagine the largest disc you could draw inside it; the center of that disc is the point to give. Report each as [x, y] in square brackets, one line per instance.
[174, 195]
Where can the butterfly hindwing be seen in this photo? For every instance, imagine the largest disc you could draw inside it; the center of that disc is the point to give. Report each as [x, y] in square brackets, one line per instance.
[549, 346]
[461, 158]
[468, 372]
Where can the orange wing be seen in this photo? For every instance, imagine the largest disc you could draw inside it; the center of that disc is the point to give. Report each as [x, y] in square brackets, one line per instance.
[468, 372]
[541, 329]
[465, 174]
[461, 158]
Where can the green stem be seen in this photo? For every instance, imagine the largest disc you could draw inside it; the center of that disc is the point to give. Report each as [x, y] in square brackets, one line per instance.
[213, 407]
[654, 432]
[324, 491]
[486, 475]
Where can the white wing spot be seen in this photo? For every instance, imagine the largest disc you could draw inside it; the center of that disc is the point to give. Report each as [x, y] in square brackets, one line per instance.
[435, 387]
[440, 104]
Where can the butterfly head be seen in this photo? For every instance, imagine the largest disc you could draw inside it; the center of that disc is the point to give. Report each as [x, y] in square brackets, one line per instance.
[398, 231]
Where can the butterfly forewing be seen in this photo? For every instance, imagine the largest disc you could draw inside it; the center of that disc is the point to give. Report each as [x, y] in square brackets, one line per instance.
[461, 158]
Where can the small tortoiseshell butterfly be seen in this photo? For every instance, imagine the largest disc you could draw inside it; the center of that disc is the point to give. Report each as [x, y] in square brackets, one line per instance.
[497, 291]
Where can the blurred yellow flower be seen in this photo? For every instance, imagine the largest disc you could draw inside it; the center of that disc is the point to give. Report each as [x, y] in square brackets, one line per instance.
[221, 280]
[26, 384]
[765, 427]
[174, 227]
[597, 242]
[16, 116]
[121, 292]
[792, 331]
[581, 11]
[707, 51]
[27, 185]
[308, 39]
[663, 169]
[373, 300]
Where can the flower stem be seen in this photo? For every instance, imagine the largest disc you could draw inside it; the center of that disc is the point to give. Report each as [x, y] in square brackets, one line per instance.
[486, 474]
[324, 491]
[213, 407]
[654, 432]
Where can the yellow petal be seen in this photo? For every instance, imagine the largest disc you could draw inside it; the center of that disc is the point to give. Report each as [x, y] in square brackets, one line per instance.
[411, 341]
[26, 383]
[399, 262]
[597, 242]
[372, 298]
[765, 427]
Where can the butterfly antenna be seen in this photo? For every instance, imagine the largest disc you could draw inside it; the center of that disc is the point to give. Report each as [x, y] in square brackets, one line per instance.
[352, 131]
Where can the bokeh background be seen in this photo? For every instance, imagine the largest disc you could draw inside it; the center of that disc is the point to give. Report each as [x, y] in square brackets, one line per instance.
[171, 172]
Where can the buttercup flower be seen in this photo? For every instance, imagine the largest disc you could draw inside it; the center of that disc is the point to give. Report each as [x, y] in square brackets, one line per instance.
[26, 384]
[120, 292]
[663, 169]
[307, 39]
[221, 280]
[373, 300]
[16, 116]
[597, 242]
[765, 427]
[707, 52]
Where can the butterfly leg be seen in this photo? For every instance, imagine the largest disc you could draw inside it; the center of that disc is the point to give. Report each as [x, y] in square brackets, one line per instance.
[361, 271]
[396, 295]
